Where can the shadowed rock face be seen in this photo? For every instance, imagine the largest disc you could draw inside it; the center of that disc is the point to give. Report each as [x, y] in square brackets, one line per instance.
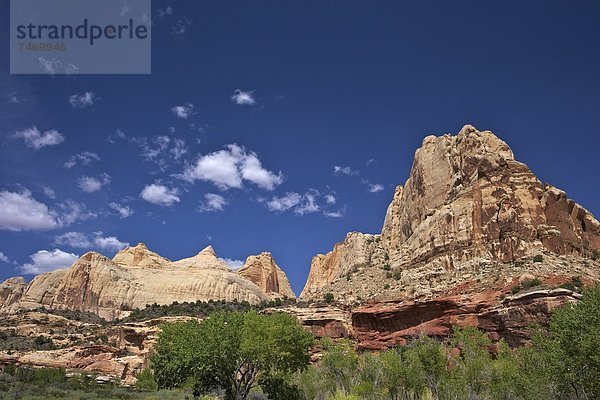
[466, 199]
[264, 272]
[134, 278]
[385, 325]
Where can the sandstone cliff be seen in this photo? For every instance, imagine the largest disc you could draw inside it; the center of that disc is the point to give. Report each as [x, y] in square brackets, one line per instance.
[467, 210]
[136, 277]
[263, 271]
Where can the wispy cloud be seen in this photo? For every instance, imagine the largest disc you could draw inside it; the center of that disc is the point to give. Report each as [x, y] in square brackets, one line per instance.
[300, 203]
[183, 111]
[243, 98]
[91, 184]
[83, 100]
[84, 158]
[123, 210]
[375, 187]
[212, 202]
[339, 170]
[4, 258]
[37, 140]
[117, 135]
[81, 240]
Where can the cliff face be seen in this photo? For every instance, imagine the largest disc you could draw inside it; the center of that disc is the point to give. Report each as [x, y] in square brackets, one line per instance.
[264, 272]
[134, 278]
[466, 204]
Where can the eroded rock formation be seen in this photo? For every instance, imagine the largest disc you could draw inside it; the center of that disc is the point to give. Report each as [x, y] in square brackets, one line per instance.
[264, 272]
[136, 277]
[467, 206]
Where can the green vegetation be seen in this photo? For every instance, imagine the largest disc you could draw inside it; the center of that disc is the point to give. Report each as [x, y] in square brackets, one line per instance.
[246, 355]
[51, 383]
[525, 285]
[538, 258]
[198, 309]
[232, 353]
[595, 255]
[328, 297]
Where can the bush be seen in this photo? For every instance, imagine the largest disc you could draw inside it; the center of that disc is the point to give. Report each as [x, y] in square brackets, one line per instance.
[328, 297]
[398, 275]
[387, 267]
[529, 283]
[538, 258]
[146, 381]
[515, 289]
[595, 255]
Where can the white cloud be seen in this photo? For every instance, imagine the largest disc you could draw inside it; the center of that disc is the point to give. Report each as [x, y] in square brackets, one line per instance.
[36, 140]
[82, 241]
[124, 211]
[375, 187]
[285, 202]
[45, 261]
[21, 212]
[300, 203]
[339, 170]
[230, 167]
[179, 149]
[51, 66]
[82, 100]
[49, 192]
[90, 184]
[371, 161]
[163, 13]
[161, 149]
[184, 111]
[308, 204]
[72, 211]
[330, 199]
[74, 239]
[180, 26]
[213, 202]
[243, 98]
[3, 258]
[233, 264]
[160, 195]
[335, 214]
[14, 98]
[84, 158]
[119, 134]
[110, 243]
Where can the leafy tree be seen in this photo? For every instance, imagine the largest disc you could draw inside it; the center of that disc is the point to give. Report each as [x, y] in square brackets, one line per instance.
[232, 352]
[339, 364]
[574, 343]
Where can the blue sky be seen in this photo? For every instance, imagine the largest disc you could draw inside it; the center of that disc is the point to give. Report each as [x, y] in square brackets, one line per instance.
[234, 138]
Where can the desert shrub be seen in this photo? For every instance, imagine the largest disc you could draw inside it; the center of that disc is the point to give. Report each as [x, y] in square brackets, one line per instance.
[538, 258]
[398, 275]
[595, 255]
[387, 267]
[328, 297]
[529, 283]
[146, 381]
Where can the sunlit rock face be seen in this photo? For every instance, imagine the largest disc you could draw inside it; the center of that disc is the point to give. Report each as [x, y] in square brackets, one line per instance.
[136, 277]
[467, 210]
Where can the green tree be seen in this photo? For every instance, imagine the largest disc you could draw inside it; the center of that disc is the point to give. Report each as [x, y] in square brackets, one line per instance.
[232, 352]
[573, 347]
